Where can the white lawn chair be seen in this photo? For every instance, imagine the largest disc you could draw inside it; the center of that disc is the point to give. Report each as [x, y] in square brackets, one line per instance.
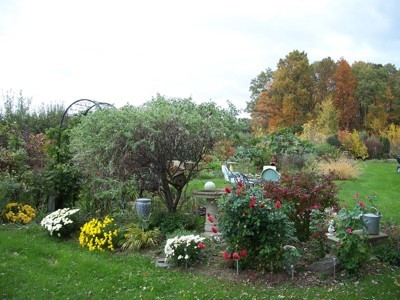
[231, 177]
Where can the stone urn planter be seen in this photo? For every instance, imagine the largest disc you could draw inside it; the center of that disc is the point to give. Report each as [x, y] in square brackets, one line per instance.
[143, 207]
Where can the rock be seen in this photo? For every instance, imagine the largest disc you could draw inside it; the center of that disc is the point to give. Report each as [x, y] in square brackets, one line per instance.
[325, 265]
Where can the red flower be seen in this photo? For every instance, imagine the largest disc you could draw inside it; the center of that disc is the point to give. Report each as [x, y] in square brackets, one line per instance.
[245, 213]
[348, 230]
[240, 183]
[215, 230]
[261, 205]
[238, 192]
[356, 196]
[201, 245]
[361, 204]
[210, 219]
[345, 206]
[243, 253]
[278, 204]
[235, 256]
[227, 255]
[251, 205]
[253, 199]
[228, 190]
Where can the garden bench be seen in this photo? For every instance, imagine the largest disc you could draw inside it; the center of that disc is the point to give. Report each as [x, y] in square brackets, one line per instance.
[372, 239]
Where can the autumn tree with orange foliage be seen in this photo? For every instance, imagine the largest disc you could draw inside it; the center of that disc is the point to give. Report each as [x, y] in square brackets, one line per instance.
[344, 96]
[287, 101]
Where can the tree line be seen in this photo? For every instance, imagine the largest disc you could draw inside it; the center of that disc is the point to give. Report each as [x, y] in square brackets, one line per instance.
[362, 96]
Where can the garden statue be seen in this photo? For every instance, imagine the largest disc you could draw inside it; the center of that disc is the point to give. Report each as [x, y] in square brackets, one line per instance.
[331, 229]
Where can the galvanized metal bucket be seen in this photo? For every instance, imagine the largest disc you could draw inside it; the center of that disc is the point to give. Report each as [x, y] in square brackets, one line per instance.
[371, 221]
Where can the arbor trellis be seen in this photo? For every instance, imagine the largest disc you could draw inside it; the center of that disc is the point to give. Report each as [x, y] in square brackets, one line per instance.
[80, 107]
[63, 176]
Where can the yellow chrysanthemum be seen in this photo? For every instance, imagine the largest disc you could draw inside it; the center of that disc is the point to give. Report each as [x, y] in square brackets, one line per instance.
[17, 212]
[97, 234]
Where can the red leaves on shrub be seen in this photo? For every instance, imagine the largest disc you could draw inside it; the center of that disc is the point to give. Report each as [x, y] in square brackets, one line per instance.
[304, 191]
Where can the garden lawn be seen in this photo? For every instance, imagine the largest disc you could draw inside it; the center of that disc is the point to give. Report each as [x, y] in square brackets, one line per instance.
[380, 178]
[34, 265]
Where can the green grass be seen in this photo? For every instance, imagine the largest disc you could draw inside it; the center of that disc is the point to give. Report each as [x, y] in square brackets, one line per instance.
[35, 266]
[380, 178]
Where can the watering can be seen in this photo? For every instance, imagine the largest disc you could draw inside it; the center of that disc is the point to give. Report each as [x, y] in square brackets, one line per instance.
[371, 221]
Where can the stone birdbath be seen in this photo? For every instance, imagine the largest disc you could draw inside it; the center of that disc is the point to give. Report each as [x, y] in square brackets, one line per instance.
[211, 196]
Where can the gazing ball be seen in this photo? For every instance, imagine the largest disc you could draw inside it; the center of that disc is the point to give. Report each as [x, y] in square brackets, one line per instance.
[209, 185]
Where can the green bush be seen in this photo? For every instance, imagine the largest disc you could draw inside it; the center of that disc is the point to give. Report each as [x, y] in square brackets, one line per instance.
[352, 250]
[327, 151]
[385, 150]
[255, 225]
[389, 252]
[333, 140]
[169, 222]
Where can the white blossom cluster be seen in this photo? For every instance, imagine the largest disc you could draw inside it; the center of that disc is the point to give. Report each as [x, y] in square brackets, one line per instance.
[187, 240]
[57, 219]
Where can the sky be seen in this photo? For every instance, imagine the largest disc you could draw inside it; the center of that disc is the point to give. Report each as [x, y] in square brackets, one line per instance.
[127, 51]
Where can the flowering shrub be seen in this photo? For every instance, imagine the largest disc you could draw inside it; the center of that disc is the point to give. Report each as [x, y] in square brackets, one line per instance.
[99, 235]
[351, 248]
[184, 250]
[249, 221]
[319, 223]
[18, 213]
[303, 191]
[59, 222]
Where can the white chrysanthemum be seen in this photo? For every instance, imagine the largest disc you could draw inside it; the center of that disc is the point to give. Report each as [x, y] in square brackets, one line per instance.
[57, 219]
